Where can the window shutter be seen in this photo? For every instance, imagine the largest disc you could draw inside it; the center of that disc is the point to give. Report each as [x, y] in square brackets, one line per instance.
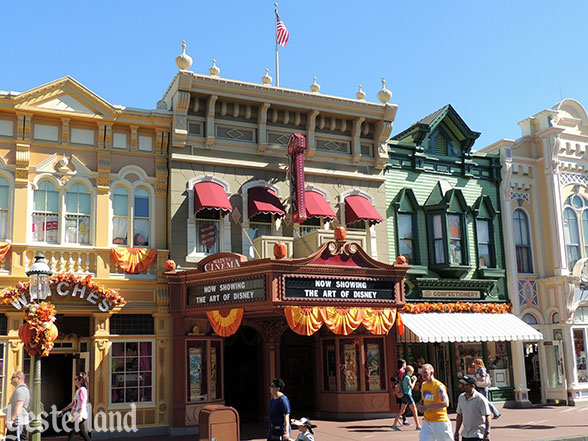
[440, 145]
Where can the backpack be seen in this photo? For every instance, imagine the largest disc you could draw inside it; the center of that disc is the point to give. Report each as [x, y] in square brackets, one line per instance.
[398, 390]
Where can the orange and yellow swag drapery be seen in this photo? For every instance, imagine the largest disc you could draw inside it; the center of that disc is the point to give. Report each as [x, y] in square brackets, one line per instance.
[226, 321]
[378, 321]
[303, 320]
[4, 249]
[133, 260]
[306, 320]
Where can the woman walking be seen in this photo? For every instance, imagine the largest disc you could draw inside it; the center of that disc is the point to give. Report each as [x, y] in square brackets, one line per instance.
[408, 382]
[79, 407]
[482, 384]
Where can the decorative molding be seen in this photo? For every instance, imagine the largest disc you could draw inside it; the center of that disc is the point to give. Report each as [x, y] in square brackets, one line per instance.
[519, 195]
[528, 293]
[572, 178]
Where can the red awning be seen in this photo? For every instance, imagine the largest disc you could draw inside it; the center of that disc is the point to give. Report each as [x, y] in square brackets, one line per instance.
[212, 196]
[264, 200]
[317, 206]
[358, 208]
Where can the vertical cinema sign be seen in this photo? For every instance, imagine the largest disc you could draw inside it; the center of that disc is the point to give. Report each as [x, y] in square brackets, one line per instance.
[296, 148]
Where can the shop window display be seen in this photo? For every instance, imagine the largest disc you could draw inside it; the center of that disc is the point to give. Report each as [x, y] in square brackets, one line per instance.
[580, 352]
[132, 372]
[356, 357]
[497, 365]
[203, 359]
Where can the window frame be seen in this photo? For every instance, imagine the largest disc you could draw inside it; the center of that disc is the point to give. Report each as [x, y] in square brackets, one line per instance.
[78, 215]
[527, 247]
[45, 213]
[484, 211]
[138, 404]
[132, 189]
[10, 205]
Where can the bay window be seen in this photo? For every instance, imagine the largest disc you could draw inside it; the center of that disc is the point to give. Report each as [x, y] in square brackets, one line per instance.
[406, 236]
[438, 240]
[455, 239]
[485, 257]
[522, 241]
[46, 213]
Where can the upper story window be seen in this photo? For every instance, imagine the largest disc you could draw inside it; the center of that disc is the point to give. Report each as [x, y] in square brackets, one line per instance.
[263, 208]
[46, 213]
[407, 207]
[131, 216]
[576, 234]
[208, 231]
[318, 211]
[485, 213]
[4, 207]
[441, 143]
[522, 241]
[77, 215]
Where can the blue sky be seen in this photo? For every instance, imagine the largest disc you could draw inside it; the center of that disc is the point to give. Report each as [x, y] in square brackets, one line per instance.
[496, 62]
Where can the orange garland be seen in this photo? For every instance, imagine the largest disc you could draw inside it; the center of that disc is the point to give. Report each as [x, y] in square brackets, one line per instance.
[303, 320]
[486, 308]
[342, 321]
[226, 321]
[133, 260]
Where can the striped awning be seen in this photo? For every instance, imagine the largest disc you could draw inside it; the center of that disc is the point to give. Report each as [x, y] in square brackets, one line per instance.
[465, 327]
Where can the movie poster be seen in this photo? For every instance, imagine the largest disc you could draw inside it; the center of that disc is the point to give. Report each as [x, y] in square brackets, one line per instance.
[213, 373]
[195, 365]
[331, 368]
[350, 367]
[373, 367]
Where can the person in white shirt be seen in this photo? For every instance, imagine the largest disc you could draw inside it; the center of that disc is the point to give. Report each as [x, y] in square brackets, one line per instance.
[473, 412]
[305, 429]
[79, 407]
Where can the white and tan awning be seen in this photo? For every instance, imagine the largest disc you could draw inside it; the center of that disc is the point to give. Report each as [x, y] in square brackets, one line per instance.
[465, 327]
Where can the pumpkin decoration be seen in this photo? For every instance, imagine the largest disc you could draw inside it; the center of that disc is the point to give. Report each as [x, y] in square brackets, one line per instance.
[402, 260]
[170, 265]
[25, 332]
[51, 333]
[280, 250]
[340, 233]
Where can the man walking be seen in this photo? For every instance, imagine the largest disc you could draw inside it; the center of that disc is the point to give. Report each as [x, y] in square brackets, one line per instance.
[473, 411]
[17, 415]
[279, 412]
[434, 404]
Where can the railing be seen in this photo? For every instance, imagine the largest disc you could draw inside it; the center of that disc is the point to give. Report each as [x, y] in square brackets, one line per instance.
[82, 261]
[312, 240]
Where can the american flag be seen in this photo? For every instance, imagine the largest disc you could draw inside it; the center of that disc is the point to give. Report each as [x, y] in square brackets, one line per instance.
[281, 31]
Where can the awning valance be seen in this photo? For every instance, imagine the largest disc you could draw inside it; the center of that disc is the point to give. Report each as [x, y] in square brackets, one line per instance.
[317, 206]
[358, 208]
[265, 201]
[466, 327]
[212, 196]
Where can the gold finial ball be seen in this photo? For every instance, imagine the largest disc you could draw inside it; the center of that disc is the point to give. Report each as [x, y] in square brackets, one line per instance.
[184, 61]
[360, 95]
[315, 87]
[214, 70]
[266, 79]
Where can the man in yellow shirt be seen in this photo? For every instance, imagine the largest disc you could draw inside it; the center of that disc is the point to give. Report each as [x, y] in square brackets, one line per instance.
[434, 403]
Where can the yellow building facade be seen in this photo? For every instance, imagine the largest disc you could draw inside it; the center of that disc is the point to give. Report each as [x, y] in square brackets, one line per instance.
[84, 182]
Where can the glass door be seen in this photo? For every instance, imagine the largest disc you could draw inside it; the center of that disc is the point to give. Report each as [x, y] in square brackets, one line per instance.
[554, 372]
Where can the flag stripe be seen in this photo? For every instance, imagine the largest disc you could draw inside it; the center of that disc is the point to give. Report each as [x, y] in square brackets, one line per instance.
[281, 32]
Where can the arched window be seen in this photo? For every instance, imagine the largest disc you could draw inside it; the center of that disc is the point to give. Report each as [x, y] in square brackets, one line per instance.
[572, 236]
[130, 218]
[46, 213]
[4, 201]
[77, 215]
[530, 319]
[522, 241]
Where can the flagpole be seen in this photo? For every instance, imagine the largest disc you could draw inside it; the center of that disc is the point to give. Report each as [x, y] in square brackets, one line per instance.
[277, 59]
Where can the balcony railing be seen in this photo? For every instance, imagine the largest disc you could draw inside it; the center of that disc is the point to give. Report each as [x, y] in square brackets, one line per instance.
[312, 240]
[82, 261]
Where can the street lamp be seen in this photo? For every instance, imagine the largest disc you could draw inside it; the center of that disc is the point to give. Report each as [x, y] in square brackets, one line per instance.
[39, 289]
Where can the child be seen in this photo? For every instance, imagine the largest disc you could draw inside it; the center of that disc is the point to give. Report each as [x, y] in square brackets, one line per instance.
[305, 429]
[408, 383]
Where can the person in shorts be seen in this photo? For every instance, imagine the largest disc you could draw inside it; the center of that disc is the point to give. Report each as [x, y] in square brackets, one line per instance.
[408, 383]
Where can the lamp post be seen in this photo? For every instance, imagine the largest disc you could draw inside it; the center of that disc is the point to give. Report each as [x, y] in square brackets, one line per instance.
[39, 290]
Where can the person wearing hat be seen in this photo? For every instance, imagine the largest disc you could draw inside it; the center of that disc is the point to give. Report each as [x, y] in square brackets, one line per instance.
[305, 429]
[473, 412]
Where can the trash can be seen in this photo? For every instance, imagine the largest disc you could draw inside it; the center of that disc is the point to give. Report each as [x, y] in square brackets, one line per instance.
[219, 423]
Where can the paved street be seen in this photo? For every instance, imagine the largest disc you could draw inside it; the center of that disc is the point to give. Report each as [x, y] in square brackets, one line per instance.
[537, 424]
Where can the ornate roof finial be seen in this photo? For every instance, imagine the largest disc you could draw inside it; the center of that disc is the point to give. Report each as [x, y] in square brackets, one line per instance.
[384, 95]
[315, 87]
[266, 79]
[360, 95]
[184, 61]
[214, 70]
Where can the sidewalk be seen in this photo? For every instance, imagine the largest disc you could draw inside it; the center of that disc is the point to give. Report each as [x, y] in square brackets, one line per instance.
[535, 424]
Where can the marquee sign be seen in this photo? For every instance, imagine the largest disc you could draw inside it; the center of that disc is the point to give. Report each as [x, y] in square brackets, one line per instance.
[226, 292]
[328, 288]
[296, 148]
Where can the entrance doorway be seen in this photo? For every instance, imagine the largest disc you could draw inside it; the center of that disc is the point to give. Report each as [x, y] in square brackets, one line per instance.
[56, 386]
[297, 362]
[532, 372]
[243, 374]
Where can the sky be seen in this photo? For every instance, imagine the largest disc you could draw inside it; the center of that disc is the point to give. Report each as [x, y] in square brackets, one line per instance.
[496, 62]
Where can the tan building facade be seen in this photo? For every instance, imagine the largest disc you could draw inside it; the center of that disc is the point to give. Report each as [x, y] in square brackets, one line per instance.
[545, 215]
[84, 182]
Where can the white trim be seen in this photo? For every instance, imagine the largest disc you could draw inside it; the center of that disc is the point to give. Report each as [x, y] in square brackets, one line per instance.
[130, 339]
[127, 169]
